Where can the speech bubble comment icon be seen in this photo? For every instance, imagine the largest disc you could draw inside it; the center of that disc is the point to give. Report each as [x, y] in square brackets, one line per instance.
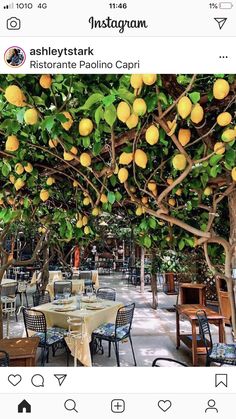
[37, 380]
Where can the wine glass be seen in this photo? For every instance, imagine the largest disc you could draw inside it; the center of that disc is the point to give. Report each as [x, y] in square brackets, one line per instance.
[66, 292]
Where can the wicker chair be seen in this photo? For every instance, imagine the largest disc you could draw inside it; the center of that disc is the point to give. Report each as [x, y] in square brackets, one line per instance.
[106, 293]
[60, 286]
[52, 337]
[157, 361]
[42, 297]
[116, 332]
[220, 353]
[8, 299]
[4, 359]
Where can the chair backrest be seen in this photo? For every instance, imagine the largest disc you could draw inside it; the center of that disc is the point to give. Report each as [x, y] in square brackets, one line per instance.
[124, 317]
[4, 359]
[34, 321]
[8, 290]
[41, 297]
[61, 286]
[87, 275]
[106, 293]
[158, 361]
[204, 329]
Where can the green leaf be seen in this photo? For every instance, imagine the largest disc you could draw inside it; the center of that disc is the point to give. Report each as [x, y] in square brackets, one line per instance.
[181, 244]
[195, 97]
[113, 180]
[118, 196]
[214, 171]
[110, 115]
[99, 114]
[48, 123]
[163, 99]
[111, 197]
[86, 142]
[5, 170]
[147, 242]
[152, 223]
[215, 159]
[97, 147]
[94, 98]
[108, 100]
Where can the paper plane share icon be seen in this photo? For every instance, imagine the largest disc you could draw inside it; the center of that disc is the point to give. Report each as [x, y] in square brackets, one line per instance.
[221, 21]
[61, 378]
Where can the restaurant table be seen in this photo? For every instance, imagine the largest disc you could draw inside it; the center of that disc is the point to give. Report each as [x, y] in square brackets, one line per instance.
[21, 351]
[193, 341]
[77, 286]
[8, 281]
[91, 319]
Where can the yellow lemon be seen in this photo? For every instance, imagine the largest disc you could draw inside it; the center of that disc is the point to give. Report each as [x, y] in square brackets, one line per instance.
[139, 211]
[179, 192]
[179, 162]
[45, 81]
[171, 202]
[152, 135]
[29, 168]
[169, 181]
[12, 143]
[140, 158]
[85, 160]
[233, 174]
[86, 201]
[123, 111]
[68, 156]
[19, 183]
[19, 169]
[197, 114]
[144, 200]
[208, 191]
[219, 148]
[139, 107]
[68, 124]
[75, 184]
[152, 186]
[126, 158]
[50, 181]
[136, 81]
[79, 224]
[184, 107]
[95, 211]
[85, 127]
[31, 117]
[12, 179]
[149, 79]
[15, 96]
[53, 143]
[104, 199]
[74, 150]
[228, 135]
[220, 89]
[123, 175]
[184, 136]
[86, 230]
[132, 121]
[85, 220]
[224, 119]
[44, 195]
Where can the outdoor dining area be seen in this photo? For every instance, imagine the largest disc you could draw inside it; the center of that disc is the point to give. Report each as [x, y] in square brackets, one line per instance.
[88, 318]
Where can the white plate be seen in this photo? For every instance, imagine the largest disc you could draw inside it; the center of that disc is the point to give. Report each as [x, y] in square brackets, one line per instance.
[64, 308]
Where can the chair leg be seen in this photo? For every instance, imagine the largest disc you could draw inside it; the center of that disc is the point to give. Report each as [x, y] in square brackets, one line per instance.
[26, 299]
[109, 349]
[117, 354]
[131, 344]
[43, 350]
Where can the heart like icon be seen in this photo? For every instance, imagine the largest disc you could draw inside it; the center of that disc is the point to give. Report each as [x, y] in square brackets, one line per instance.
[164, 405]
[14, 379]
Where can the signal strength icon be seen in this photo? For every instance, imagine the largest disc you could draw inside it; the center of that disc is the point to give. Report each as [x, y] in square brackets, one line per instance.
[9, 6]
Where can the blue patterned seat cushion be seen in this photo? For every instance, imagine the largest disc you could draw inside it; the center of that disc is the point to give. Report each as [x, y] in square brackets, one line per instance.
[224, 351]
[108, 330]
[54, 335]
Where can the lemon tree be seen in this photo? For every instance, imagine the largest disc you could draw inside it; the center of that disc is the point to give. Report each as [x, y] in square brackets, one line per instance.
[161, 148]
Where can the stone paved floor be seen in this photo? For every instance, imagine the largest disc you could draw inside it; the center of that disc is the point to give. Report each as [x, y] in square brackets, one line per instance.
[153, 330]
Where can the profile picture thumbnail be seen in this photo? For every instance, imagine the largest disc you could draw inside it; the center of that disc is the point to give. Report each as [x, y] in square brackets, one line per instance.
[15, 56]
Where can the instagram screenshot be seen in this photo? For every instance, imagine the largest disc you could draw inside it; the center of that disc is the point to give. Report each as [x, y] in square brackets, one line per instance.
[117, 209]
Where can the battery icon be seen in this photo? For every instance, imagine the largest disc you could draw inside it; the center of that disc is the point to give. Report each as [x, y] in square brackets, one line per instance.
[225, 5]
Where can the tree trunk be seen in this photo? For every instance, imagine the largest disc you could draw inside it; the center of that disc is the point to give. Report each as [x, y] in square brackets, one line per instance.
[142, 270]
[45, 268]
[154, 281]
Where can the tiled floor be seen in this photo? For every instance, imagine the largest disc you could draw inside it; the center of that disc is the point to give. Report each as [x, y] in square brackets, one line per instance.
[153, 330]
